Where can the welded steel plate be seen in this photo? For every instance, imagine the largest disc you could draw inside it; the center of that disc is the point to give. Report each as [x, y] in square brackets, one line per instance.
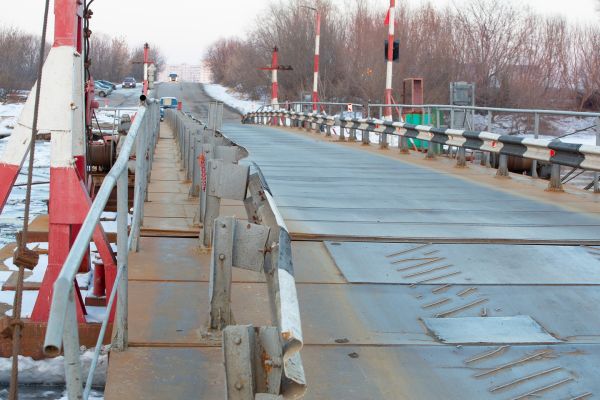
[478, 330]
[485, 264]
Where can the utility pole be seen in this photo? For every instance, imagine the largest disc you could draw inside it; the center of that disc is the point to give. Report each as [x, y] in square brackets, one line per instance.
[274, 67]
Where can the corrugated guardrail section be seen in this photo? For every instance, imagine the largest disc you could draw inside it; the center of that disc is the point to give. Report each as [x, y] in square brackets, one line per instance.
[210, 160]
[554, 151]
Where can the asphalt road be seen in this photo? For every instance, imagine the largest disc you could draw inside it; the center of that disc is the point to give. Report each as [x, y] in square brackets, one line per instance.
[194, 99]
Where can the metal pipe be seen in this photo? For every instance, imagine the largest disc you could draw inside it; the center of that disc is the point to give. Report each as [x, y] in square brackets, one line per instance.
[57, 317]
[71, 349]
[120, 325]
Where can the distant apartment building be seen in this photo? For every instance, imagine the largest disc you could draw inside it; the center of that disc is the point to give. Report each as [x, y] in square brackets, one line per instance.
[188, 73]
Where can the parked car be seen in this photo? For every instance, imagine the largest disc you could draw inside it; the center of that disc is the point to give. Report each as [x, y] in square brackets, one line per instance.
[167, 102]
[102, 90]
[129, 82]
[107, 83]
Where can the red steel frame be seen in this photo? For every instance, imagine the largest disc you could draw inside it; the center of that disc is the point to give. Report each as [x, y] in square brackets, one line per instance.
[69, 199]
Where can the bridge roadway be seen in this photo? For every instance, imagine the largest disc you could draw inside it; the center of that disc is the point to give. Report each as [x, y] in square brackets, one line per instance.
[416, 280]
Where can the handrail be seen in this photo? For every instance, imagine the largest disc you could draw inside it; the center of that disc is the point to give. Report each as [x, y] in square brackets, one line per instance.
[493, 109]
[62, 326]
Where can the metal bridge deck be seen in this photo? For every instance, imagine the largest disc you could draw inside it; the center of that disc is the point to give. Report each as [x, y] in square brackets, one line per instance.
[480, 258]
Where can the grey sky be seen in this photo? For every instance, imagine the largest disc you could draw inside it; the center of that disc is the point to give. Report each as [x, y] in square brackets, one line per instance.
[184, 28]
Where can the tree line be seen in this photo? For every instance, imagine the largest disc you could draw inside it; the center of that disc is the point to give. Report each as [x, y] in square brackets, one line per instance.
[112, 59]
[515, 57]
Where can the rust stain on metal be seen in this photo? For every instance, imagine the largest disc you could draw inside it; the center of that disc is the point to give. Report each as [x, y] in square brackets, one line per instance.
[430, 261]
[524, 379]
[435, 278]
[267, 364]
[409, 250]
[461, 308]
[545, 388]
[427, 271]
[437, 303]
[486, 355]
[441, 289]
[466, 292]
[532, 357]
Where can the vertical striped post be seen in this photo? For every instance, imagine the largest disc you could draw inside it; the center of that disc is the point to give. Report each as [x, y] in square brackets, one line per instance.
[146, 61]
[315, 94]
[390, 20]
[274, 84]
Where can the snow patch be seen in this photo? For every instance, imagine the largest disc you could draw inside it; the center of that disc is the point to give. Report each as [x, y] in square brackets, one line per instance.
[232, 98]
[51, 371]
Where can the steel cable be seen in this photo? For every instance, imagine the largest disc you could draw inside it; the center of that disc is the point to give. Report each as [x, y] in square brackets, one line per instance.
[22, 239]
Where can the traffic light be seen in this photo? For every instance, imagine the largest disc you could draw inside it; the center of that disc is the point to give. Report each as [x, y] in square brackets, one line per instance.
[396, 50]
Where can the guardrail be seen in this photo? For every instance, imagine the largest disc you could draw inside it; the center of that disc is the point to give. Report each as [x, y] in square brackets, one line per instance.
[258, 360]
[62, 330]
[556, 152]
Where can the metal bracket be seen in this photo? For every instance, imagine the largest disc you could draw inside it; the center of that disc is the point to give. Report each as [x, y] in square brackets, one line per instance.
[236, 244]
[224, 181]
[253, 362]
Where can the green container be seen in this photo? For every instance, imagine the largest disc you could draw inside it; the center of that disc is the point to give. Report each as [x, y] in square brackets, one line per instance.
[422, 119]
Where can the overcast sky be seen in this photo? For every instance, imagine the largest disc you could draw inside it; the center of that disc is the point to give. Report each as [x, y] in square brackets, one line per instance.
[184, 28]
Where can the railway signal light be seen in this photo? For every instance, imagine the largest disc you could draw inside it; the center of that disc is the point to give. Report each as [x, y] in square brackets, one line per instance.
[396, 50]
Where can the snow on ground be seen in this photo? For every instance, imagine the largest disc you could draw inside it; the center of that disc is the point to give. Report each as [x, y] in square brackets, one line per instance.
[8, 117]
[52, 371]
[232, 98]
[11, 218]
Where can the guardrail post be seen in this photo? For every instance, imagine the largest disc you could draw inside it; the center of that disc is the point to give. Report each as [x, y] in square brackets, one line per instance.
[364, 136]
[236, 244]
[486, 156]
[555, 184]
[120, 334]
[503, 166]
[383, 142]
[342, 137]
[430, 155]
[221, 265]
[72, 359]
[197, 170]
[461, 158]
[352, 137]
[253, 363]
[536, 134]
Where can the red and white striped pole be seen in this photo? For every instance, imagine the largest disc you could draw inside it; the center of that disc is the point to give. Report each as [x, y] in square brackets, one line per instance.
[315, 95]
[274, 84]
[390, 20]
[146, 62]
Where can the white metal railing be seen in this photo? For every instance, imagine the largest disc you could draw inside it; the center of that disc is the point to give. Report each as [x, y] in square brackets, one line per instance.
[62, 330]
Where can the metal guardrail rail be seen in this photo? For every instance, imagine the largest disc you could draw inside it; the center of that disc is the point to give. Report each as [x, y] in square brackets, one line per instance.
[210, 161]
[556, 152]
[62, 330]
